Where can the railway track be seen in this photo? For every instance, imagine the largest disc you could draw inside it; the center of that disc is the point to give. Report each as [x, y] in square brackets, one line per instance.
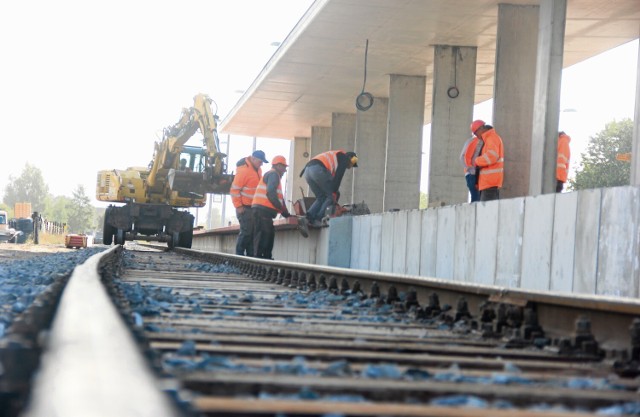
[228, 335]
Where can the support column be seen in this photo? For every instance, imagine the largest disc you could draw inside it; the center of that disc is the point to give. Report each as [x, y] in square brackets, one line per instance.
[546, 108]
[514, 89]
[635, 145]
[454, 77]
[299, 156]
[404, 142]
[371, 143]
[320, 140]
[343, 136]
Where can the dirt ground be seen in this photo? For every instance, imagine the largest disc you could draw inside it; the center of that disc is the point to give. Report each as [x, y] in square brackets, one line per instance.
[10, 251]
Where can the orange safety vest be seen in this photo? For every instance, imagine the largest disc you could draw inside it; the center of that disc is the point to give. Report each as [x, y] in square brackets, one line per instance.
[260, 197]
[244, 184]
[468, 153]
[491, 161]
[564, 154]
[330, 160]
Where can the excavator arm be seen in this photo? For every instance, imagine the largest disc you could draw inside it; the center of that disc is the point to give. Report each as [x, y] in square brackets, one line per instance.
[166, 178]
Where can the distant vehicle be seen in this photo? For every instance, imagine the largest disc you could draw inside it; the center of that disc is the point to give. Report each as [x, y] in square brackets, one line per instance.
[23, 228]
[7, 233]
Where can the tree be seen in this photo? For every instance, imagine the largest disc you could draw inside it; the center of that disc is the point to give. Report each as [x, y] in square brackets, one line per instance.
[29, 187]
[57, 209]
[81, 212]
[599, 167]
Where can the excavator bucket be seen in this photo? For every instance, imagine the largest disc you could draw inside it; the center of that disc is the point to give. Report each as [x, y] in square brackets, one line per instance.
[197, 183]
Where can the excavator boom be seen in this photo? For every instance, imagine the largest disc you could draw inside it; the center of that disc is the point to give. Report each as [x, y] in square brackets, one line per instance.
[178, 176]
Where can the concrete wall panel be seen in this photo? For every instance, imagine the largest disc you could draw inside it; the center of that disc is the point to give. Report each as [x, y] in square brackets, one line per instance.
[375, 242]
[446, 242]
[340, 233]
[365, 241]
[536, 243]
[563, 242]
[356, 243]
[616, 246]
[414, 222]
[428, 242]
[465, 238]
[322, 250]
[585, 269]
[509, 251]
[486, 242]
[400, 232]
[386, 256]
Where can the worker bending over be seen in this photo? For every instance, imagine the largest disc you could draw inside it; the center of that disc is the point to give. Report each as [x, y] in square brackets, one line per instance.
[324, 174]
[268, 202]
[243, 188]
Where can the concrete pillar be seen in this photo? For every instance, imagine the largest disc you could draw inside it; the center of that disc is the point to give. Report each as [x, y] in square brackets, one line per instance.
[514, 87]
[320, 140]
[404, 142]
[635, 146]
[454, 77]
[299, 156]
[371, 143]
[343, 136]
[546, 108]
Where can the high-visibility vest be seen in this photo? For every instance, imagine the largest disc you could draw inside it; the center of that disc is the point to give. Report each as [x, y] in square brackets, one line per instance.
[330, 160]
[491, 161]
[564, 154]
[467, 151]
[260, 197]
[244, 184]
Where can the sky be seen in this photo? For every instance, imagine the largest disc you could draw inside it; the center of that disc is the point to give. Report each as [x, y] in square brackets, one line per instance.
[88, 86]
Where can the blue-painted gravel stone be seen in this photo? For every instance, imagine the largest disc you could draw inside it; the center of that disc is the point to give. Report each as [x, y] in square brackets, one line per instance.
[22, 280]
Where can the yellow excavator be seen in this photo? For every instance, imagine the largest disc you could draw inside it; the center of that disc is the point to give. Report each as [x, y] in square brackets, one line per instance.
[157, 198]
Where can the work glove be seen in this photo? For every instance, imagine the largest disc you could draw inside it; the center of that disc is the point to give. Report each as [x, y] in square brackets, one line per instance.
[285, 214]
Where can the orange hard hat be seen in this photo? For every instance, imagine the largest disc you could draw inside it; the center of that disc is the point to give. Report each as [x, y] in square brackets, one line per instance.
[279, 159]
[477, 124]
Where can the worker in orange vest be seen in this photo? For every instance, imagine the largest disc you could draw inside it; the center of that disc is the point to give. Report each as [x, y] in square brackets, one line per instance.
[562, 166]
[470, 151]
[324, 174]
[490, 161]
[268, 202]
[245, 182]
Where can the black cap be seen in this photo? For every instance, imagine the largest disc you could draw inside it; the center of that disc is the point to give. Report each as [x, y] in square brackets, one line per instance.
[350, 155]
[260, 155]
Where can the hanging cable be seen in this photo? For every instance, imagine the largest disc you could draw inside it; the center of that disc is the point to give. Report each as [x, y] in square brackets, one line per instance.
[364, 101]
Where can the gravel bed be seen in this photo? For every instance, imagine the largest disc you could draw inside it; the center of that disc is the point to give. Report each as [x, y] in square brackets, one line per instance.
[29, 273]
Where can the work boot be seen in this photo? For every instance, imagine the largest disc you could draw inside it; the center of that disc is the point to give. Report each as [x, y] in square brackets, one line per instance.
[303, 226]
[316, 223]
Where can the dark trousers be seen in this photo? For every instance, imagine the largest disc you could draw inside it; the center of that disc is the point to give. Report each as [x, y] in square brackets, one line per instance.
[263, 234]
[488, 194]
[320, 182]
[244, 244]
[559, 186]
[472, 184]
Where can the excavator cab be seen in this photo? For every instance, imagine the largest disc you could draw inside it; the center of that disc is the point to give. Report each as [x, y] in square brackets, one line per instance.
[194, 178]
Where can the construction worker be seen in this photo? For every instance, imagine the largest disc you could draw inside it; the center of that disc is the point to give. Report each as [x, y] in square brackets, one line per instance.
[470, 151]
[564, 155]
[245, 182]
[324, 174]
[490, 161]
[268, 202]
